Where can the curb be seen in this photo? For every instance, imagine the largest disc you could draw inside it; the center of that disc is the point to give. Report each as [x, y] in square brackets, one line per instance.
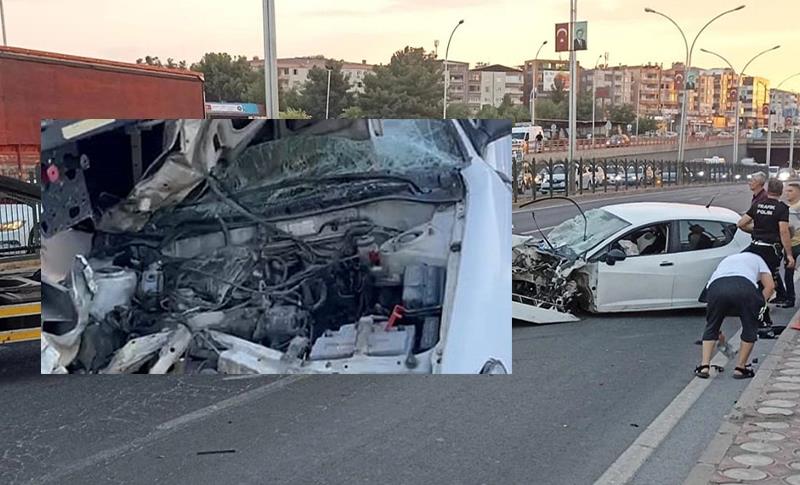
[702, 472]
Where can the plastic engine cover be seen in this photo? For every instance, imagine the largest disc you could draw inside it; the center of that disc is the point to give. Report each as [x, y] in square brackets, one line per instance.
[422, 286]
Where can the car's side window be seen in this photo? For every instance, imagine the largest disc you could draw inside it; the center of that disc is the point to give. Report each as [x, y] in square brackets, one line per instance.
[700, 235]
[644, 241]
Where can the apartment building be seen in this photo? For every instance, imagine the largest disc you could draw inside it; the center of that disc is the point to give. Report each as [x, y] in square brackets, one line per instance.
[784, 104]
[489, 84]
[457, 88]
[755, 94]
[293, 71]
[723, 98]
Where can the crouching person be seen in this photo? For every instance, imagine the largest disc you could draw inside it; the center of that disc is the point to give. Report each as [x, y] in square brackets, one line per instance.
[733, 291]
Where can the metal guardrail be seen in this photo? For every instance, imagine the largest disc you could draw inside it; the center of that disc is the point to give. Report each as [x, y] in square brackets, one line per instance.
[561, 145]
[549, 177]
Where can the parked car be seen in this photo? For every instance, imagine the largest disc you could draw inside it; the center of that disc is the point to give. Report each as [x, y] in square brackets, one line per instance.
[670, 251]
[785, 174]
[618, 141]
[725, 134]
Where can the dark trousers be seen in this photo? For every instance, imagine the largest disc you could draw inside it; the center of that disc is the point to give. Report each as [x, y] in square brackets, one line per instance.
[772, 255]
[733, 296]
[788, 276]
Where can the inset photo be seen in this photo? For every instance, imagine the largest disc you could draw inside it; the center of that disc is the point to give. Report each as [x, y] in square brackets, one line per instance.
[255, 246]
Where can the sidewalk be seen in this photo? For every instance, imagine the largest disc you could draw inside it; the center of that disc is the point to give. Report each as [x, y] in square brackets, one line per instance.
[760, 440]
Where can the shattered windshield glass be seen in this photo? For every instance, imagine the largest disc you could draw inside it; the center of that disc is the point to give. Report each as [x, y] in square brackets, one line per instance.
[404, 146]
[600, 224]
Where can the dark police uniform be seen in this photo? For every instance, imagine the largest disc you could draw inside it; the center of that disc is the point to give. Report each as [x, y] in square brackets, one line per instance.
[767, 216]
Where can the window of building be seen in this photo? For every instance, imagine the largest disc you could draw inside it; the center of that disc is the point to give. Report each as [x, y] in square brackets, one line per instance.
[286, 71]
[295, 72]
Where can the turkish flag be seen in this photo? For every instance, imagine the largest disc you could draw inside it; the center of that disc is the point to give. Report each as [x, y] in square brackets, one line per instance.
[562, 37]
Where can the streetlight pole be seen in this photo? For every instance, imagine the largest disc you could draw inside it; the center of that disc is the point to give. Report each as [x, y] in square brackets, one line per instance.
[594, 93]
[687, 66]
[328, 95]
[446, 74]
[572, 82]
[270, 61]
[3, 23]
[533, 86]
[769, 128]
[739, 76]
[638, 100]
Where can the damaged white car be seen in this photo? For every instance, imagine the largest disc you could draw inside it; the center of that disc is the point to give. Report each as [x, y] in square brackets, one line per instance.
[622, 258]
[276, 246]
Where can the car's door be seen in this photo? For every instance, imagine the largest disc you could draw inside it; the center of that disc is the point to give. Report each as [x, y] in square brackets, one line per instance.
[641, 281]
[700, 247]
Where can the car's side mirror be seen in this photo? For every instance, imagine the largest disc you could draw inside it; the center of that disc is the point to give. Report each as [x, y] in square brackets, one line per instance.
[613, 256]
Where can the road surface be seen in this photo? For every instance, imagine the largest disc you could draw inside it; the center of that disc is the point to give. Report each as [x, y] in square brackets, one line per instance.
[580, 395]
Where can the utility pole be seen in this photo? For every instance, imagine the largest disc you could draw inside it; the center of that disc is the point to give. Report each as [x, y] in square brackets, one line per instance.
[270, 61]
[572, 81]
[328, 95]
[3, 23]
[533, 85]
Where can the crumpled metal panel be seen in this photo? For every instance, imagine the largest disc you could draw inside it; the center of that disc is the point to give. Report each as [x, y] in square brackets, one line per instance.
[167, 182]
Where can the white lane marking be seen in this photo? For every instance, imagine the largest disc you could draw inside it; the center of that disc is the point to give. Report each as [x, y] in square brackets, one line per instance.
[164, 429]
[629, 462]
[621, 197]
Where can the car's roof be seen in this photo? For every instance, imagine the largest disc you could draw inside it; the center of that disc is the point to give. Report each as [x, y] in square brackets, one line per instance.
[638, 213]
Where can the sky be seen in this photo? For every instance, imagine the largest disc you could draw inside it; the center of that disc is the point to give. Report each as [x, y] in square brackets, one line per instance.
[495, 31]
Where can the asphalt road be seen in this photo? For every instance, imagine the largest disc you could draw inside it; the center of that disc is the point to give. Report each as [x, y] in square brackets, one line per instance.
[581, 393]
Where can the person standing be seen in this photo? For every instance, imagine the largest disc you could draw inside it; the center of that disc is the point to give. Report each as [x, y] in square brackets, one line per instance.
[768, 222]
[757, 182]
[793, 199]
[733, 290]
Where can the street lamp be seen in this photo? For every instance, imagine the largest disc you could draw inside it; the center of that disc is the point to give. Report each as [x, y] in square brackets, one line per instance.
[328, 95]
[270, 61]
[769, 133]
[687, 66]
[446, 74]
[594, 93]
[3, 23]
[533, 86]
[739, 76]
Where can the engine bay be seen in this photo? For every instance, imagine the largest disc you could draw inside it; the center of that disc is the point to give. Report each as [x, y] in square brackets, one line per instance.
[337, 274]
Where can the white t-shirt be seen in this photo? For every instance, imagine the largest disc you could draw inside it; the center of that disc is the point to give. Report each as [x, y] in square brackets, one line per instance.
[747, 265]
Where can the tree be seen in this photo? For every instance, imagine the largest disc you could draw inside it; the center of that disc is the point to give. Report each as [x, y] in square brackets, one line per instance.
[293, 114]
[520, 113]
[410, 86]
[155, 61]
[546, 109]
[647, 123]
[458, 111]
[584, 103]
[353, 112]
[226, 78]
[621, 114]
[313, 96]
[488, 112]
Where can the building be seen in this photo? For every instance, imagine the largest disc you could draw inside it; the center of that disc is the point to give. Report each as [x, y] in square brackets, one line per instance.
[648, 88]
[784, 105]
[457, 88]
[293, 71]
[723, 98]
[546, 70]
[489, 84]
[755, 94]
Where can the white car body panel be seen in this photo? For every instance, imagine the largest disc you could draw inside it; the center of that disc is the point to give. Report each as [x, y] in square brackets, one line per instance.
[641, 282]
[479, 324]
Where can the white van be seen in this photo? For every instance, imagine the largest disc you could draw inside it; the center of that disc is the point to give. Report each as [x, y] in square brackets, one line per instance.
[523, 137]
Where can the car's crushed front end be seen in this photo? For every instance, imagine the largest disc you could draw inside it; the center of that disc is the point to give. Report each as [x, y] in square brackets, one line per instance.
[267, 248]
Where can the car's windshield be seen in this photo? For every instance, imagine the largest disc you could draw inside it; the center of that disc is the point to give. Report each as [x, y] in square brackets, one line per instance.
[600, 224]
[405, 146]
[518, 135]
